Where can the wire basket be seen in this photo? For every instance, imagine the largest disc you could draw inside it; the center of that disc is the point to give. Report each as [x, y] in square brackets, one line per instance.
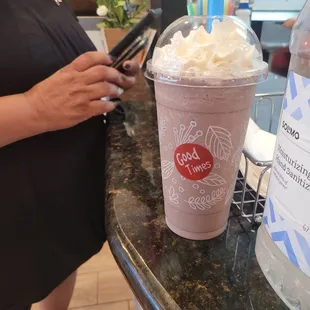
[249, 201]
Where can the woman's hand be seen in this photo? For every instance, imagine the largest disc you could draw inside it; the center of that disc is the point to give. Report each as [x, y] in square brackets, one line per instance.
[73, 94]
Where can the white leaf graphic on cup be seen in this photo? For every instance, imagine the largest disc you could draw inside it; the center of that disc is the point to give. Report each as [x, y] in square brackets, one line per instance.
[162, 130]
[218, 141]
[206, 202]
[213, 179]
[167, 168]
[173, 197]
[183, 134]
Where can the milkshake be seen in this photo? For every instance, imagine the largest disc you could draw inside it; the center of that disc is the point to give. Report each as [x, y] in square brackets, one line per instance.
[205, 86]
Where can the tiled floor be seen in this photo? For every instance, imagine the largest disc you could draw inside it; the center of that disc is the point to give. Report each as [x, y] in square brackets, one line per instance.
[100, 285]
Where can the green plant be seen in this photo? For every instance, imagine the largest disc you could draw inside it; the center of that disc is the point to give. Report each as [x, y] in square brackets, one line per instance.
[120, 14]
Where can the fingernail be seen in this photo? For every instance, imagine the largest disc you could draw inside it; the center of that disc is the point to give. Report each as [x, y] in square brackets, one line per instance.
[120, 91]
[116, 102]
[112, 58]
[110, 106]
[124, 78]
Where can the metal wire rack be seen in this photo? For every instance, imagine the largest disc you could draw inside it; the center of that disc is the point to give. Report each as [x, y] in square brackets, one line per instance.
[249, 201]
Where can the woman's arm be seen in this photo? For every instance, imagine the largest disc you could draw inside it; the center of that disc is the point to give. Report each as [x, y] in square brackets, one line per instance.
[18, 119]
[70, 96]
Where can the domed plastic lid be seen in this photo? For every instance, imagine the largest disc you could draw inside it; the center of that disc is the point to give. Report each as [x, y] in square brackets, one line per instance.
[187, 54]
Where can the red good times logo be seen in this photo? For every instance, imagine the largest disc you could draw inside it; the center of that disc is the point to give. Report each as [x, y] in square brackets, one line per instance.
[193, 161]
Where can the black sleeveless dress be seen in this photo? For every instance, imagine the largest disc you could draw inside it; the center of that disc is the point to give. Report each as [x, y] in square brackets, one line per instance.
[51, 185]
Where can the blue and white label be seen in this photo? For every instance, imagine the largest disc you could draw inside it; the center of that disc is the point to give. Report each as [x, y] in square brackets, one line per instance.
[287, 210]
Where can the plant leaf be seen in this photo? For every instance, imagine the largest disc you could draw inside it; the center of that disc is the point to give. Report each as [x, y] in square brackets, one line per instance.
[100, 2]
[109, 4]
[111, 20]
[140, 8]
[119, 11]
[134, 21]
[118, 16]
[102, 25]
[127, 25]
[120, 4]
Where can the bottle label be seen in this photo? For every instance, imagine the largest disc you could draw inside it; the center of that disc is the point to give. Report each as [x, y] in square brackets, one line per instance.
[287, 210]
[193, 161]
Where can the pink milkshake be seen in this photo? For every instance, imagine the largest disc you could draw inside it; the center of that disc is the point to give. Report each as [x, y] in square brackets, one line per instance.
[205, 86]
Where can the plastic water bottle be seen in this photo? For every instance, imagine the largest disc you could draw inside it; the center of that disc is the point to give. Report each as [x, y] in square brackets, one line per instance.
[283, 241]
[244, 12]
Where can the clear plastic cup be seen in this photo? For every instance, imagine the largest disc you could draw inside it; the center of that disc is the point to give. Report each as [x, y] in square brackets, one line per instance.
[203, 113]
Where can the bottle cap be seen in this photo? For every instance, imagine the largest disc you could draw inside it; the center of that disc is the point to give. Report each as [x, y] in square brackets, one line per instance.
[244, 5]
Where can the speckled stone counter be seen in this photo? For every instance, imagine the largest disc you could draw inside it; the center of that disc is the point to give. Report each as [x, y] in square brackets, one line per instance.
[164, 270]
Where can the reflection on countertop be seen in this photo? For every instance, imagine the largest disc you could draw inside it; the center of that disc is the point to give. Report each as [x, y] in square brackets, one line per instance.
[164, 270]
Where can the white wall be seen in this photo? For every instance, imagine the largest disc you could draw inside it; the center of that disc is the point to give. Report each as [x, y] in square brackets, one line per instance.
[278, 5]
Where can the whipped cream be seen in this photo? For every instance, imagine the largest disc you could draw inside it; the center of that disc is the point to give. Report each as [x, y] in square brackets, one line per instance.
[224, 53]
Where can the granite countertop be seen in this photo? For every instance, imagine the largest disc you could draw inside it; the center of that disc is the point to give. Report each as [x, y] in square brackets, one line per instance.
[164, 270]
